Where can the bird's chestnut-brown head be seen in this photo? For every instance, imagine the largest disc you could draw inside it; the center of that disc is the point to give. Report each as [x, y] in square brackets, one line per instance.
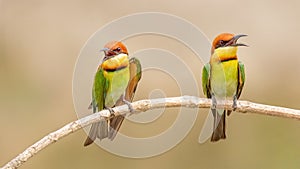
[225, 40]
[116, 56]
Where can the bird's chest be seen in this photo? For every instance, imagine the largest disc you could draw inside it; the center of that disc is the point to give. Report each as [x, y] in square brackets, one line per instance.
[224, 79]
[117, 84]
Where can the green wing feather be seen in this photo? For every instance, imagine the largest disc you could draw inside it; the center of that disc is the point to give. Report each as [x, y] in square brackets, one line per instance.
[206, 80]
[99, 91]
[98, 98]
[241, 80]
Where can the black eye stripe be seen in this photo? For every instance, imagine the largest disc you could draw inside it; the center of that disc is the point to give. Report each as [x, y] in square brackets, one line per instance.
[221, 43]
[117, 49]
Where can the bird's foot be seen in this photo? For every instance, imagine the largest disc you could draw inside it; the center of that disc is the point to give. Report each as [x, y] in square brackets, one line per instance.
[129, 106]
[214, 102]
[234, 105]
[111, 111]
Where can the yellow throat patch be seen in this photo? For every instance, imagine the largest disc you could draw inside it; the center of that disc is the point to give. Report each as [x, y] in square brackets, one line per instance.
[224, 53]
[116, 62]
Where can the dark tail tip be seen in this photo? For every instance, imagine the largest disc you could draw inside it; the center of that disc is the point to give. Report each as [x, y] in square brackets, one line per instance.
[88, 141]
[217, 136]
[219, 125]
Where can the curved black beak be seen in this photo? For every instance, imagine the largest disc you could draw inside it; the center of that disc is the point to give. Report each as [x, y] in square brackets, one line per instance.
[234, 40]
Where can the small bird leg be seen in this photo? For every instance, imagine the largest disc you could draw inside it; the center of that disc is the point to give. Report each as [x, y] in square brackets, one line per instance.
[234, 105]
[129, 105]
[112, 114]
[214, 102]
[111, 111]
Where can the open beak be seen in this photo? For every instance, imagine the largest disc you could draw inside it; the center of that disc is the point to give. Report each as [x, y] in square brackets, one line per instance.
[233, 41]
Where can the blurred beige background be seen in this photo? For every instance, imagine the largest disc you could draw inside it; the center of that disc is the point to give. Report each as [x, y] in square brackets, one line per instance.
[39, 44]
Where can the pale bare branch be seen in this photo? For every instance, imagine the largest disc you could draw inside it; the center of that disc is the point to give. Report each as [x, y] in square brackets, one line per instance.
[142, 106]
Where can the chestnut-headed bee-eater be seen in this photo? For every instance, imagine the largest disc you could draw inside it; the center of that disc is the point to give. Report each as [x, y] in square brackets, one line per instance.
[115, 83]
[223, 78]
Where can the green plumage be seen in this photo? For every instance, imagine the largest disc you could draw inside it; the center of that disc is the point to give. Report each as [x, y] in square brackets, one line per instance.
[222, 80]
[99, 91]
[109, 90]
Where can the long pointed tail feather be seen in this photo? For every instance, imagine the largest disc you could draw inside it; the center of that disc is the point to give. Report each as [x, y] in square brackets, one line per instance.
[115, 124]
[92, 134]
[219, 125]
[98, 130]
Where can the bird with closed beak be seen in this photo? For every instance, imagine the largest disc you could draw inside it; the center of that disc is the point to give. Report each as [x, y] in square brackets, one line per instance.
[115, 83]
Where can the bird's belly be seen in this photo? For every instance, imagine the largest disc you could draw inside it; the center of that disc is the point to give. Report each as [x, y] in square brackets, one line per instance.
[224, 79]
[118, 81]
